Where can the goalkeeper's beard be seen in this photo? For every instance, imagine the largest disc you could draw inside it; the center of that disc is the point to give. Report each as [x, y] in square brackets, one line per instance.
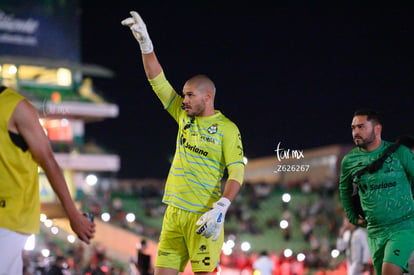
[364, 142]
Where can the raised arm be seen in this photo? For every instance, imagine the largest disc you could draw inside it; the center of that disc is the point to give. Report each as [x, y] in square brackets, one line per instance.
[138, 28]
[25, 121]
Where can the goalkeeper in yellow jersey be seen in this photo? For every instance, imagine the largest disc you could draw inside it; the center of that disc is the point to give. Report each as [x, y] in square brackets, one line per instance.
[208, 144]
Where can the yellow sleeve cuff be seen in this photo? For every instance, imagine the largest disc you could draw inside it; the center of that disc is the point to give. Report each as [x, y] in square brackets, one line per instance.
[236, 172]
[158, 79]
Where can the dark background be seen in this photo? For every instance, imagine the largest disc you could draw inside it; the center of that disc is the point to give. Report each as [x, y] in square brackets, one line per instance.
[290, 75]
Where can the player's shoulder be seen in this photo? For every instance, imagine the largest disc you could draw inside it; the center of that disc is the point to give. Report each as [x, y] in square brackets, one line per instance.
[403, 149]
[354, 151]
[10, 98]
[395, 147]
[351, 156]
[225, 121]
[11, 93]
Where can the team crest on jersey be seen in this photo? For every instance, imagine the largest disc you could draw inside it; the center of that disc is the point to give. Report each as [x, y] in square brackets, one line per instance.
[212, 129]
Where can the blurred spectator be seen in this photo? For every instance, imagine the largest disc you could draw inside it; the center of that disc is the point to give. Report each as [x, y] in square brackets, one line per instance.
[117, 204]
[307, 226]
[353, 240]
[59, 267]
[264, 264]
[306, 186]
[93, 269]
[144, 259]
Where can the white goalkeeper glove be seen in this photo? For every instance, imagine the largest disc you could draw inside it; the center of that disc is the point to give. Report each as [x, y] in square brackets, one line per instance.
[212, 221]
[139, 30]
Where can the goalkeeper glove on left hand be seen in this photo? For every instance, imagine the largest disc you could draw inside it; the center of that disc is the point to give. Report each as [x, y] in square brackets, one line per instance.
[139, 30]
[212, 221]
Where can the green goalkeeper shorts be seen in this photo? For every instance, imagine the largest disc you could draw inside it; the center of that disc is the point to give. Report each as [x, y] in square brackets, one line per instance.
[180, 243]
[394, 248]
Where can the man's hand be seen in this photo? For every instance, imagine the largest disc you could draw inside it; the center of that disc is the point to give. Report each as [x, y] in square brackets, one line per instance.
[361, 221]
[212, 221]
[82, 226]
[139, 30]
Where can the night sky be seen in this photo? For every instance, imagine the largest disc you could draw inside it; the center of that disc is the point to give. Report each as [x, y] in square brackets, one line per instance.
[290, 75]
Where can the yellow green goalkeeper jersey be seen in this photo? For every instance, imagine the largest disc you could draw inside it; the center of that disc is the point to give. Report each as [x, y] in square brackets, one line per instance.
[206, 146]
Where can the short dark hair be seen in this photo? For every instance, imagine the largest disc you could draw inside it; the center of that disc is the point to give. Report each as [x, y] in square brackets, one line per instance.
[264, 253]
[372, 115]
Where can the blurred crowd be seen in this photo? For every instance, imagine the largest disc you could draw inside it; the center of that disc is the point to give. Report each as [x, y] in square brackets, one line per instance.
[74, 260]
[317, 220]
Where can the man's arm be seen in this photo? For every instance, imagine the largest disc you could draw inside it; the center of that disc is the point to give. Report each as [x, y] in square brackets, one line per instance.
[345, 192]
[151, 65]
[231, 189]
[25, 120]
[153, 70]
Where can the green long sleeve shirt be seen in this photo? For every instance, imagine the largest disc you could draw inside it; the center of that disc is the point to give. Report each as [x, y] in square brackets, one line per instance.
[385, 195]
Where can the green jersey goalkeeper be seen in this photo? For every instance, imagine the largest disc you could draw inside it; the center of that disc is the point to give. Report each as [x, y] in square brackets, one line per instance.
[385, 195]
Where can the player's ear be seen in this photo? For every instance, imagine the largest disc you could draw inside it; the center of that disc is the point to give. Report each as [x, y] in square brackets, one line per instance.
[206, 96]
[377, 129]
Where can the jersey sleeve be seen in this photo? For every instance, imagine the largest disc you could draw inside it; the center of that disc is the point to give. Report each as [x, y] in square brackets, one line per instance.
[345, 191]
[233, 150]
[406, 157]
[169, 98]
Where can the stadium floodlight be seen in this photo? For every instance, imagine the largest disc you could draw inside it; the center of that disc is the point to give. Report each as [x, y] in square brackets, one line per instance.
[106, 217]
[130, 217]
[48, 223]
[230, 243]
[91, 179]
[12, 70]
[227, 251]
[287, 252]
[45, 252]
[286, 197]
[54, 230]
[245, 246]
[301, 257]
[284, 224]
[335, 253]
[71, 238]
[43, 217]
[64, 77]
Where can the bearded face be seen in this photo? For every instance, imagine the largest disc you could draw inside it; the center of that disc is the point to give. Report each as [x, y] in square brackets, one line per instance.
[363, 132]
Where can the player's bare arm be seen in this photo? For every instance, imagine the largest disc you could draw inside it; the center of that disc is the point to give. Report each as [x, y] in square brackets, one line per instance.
[231, 189]
[138, 28]
[25, 122]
